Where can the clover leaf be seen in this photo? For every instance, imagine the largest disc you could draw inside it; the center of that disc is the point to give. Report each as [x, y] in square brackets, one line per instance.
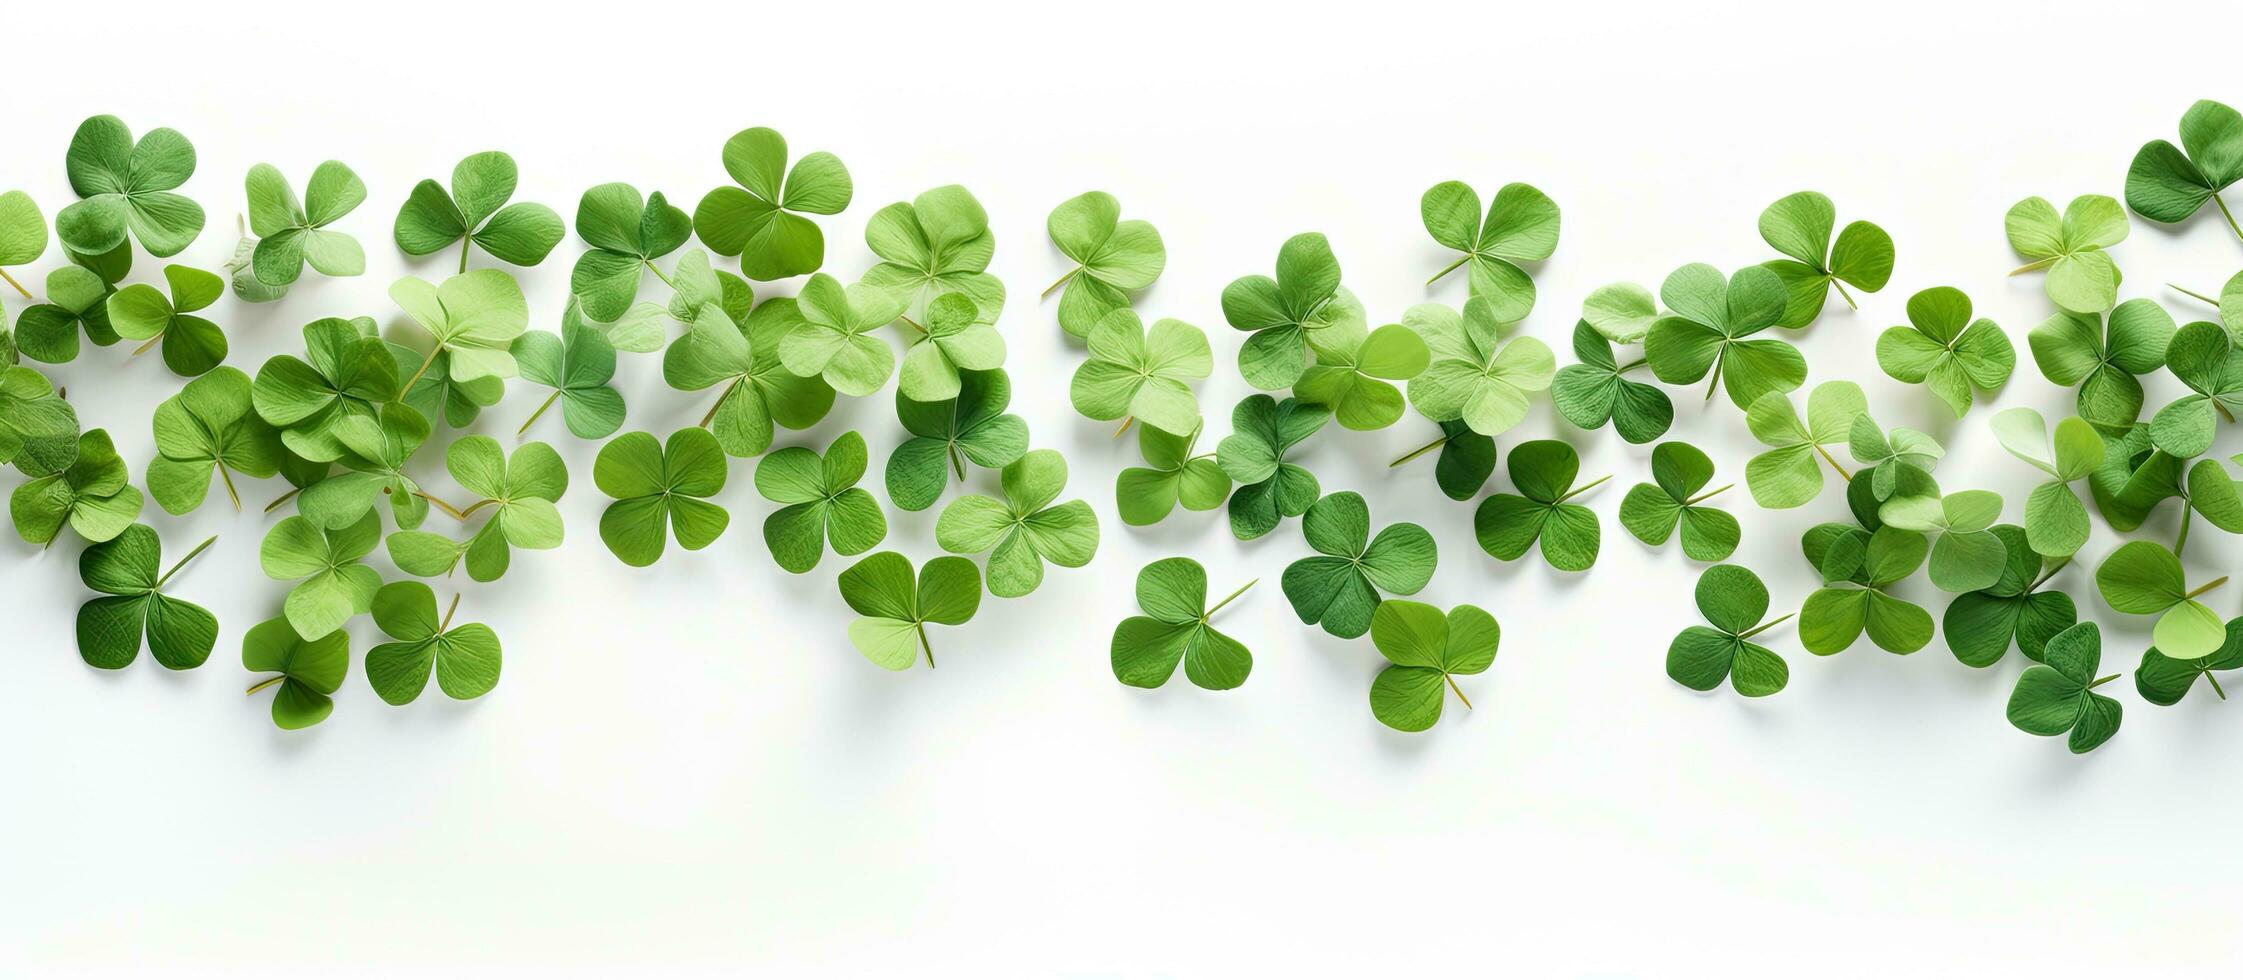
[1339, 587]
[520, 494]
[2057, 696]
[1025, 529]
[291, 233]
[192, 345]
[1352, 370]
[1597, 390]
[822, 502]
[23, 235]
[894, 605]
[1981, 625]
[2142, 578]
[1508, 524]
[1113, 258]
[1856, 597]
[1521, 226]
[952, 340]
[1707, 333]
[77, 298]
[2204, 358]
[1733, 599]
[1145, 495]
[2055, 519]
[473, 316]
[627, 233]
[1799, 226]
[1967, 556]
[2136, 477]
[349, 372]
[834, 338]
[128, 185]
[2168, 184]
[241, 270]
[1139, 375]
[465, 659]
[2104, 360]
[743, 356]
[475, 213]
[1287, 314]
[376, 449]
[1472, 374]
[1621, 312]
[1651, 511]
[1467, 460]
[761, 221]
[2164, 680]
[946, 434]
[91, 492]
[180, 634]
[37, 428]
[208, 426]
[1787, 475]
[939, 243]
[335, 583]
[2082, 278]
[307, 671]
[1174, 629]
[1899, 462]
[1945, 349]
[577, 364]
[656, 484]
[1425, 650]
[1270, 489]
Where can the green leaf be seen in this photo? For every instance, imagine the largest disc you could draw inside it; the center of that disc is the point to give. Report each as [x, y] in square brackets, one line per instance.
[1342, 585]
[192, 345]
[1967, 556]
[1846, 607]
[1733, 599]
[519, 494]
[1706, 334]
[2142, 578]
[474, 211]
[1287, 314]
[2168, 184]
[1622, 312]
[347, 373]
[2055, 519]
[1789, 474]
[1945, 349]
[38, 430]
[1981, 626]
[951, 340]
[1544, 472]
[307, 671]
[124, 569]
[2058, 697]
[741, 357]
[465, 658]
[474, 317]
[1025, 529]
[947, 434]
[894, 606]
[1425, 651]
[125, 186]
[936, 245]
[1143, 375]
[333, 584]
[77, 299]
[1799, 226]
[1652, 511]
[1352, 370]
[291, 233]
[2203, 356]
[660, 490]
[1521, 226]
[1113, 258]
[2163, 680]
[23, 230]
[92, 493]
[822, 502]
[578, 365]
[1473, 375]
[1173, 474]
[209, 427]
[834, 337]
[627, 233]
[2082, 278]
[761, 220]
[1270, 489]
[2104, 360]
[1597, 390]
[1174, 629]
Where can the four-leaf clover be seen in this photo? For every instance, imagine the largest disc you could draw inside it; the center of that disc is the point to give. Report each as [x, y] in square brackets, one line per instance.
[1025, 529]
[1143, 375]
[822, 502]
[1472, 374]
[2105, 360]
[2082, 278]
[939, 243]
[947, 434]
[1946, 350]
[1859, 572]
[1425, 649]
[1707, 333]
[1981, 625]
[627, 233]
[1263, 431]
[91, 492]
[1340, 586]
[1285, 314]
[952, 340]
[834, 338]
[660, 489]
[743, 356]
[1352, 370]
[124, 184]
[336, 584]
[349, 372]
[1174, 629]
[1733, 599]
[1967, 556]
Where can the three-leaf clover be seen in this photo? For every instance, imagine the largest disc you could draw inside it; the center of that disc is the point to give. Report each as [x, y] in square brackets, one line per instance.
[1981, 625]
[1968, 555]
[1425, 649]
[180, 634]
[1597, 390]
[1472, 374]
[2204, 358]
[1174, 629]
[1799, 225]
[1859, 572]
[473, 316]
[92, 492]
[1352, 370]
[126, 184]
[952, 340]
[2105, 361]
[1142, 375]
[2142, 578]
[1651, 511]
[656, 484]
[2168, 184]
[1467, 460]
[1508, 524]
[1521, 226]
[822, 502]
[2055, 519]
[1025, 529]
[1112, 258]
[1899, 462]
[465, 658]
[627, 233]
[2163, 680]
[1174, 474]
[1787, 474]
[192, 345]
[76, 298]
[1270, 489]
[894, 605]
[291, 233]
[1733, 599]
[376, 450]
[2082, 278]
[835, 339]
[349, 372]
[947, 434]
[1945, 349]
[577, 364]
[742, 354]
[1340, 586]
[23, 235]
[307, 671]
[1707, 333]
[1285, 314]
[336, 583]
[210, 425]
[2057, 696]
[938, 243]
[474, 212]
[761, 220]
[520, 494]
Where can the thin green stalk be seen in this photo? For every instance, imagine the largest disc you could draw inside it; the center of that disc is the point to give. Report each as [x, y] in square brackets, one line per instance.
[957, 464]
[1631, 365]
[448, 611]
[1844, 295]
[2193, 294]
[2035, 266]
[407, 388]
[2216, 688]
[282, 499]
[267, 682]
[1210, 613]
[2100, 681]
[1585, 488]
[2229, 215]
[1451, 678]
[1063, 280]
[1126, 423]
[231, 493]
[2049, 574]
[2207, 587]
[659, 274]
[1764, 627]
[1419, 451]
[1707, 494]
[466, 242]
[534, 416]
[181, 563]
[1833, 461]
[1453, 266]
[456, 513]
[12, 282]
[924, 645]
[2180, 543]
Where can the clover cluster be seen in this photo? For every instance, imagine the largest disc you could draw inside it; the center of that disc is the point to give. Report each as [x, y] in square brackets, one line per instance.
[343, 423]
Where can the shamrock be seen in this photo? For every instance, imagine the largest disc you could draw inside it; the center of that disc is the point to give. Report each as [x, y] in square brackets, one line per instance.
[939, 243]
[1508, 524]
[473, 316]
[2055, 520]
[1707, 330]
[128, 185]
[822, 501]
[654, 483]
[376, 449]
[1622, 312]
[1339, 586]
[292, 232]
[952, 339]
[1270, 489]
[209, 426]
[23, 235]
[1473, 375]
[627, 233]
[2058, 695]
[2081, 276]
[1467, 459]
[834, 337]
[2076, 349]
[76, 297]
[1286, 313]
[192, 345]
[308, 671]
[1350, 365]
[577, 364]
[2135, 478]
[1967, 556]
[2163, 680]
[1112, 258]
[92, 492]
[1947, 350]
[241, 270]
[37, 428]
[761, 220]
[465, 660]
[2206, 360]
[1147, 494]
[743, 355]
[1900, 461]
[1650, 511]
[1799, 225]
[1024, 529]
[133, 604]
[1733, 599]
[2142, 578]
[1146, 649]
[2167, 183]
[1425, 650]
[1786, 475]
[1856, 597]
[1597, 390]
[1980, 625]
[894, 606]
[474, 212]
[1521, 226]
[946, 434]
[336, 583]
[2210, 492]
[350, 372]
[1133, 374]
[520, 494]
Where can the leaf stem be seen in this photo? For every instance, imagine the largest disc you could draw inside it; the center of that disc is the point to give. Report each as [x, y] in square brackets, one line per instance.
[659, 274]
[2035, 266]
[12, 282]
[2180, 542]
[1419, 451]
[151, 342]
[1844, 295]
[2229, 215]
[1833, 461]
[190, 556]
[1453, 266]
[456, 513]
[1210, 613]
[1631, 365]
[712, 415]
[2216, 688]
[1063, 280]
[446, 625]
[1451, 678]
[231, 493]
[2207, 587]
[1126, 423]
[282, 499]
[913, 324]
[2193, 294]
[407, 387]
[2049, 574]
[478, 505]
[957, 463]
[1709, 493]
[1585, 488]
[1764, 627]
[534, 416]
[466, 242]
[924, 645]
[267, 682]
[2100, 681]
[1714, 380]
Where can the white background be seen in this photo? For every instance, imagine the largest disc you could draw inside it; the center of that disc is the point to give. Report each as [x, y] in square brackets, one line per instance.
[688, 767]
